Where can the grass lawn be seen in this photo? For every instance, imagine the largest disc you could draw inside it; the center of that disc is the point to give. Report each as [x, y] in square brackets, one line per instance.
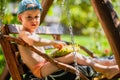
[99, 46]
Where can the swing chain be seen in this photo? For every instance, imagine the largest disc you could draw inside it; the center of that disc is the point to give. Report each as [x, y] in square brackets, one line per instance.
[72, 40]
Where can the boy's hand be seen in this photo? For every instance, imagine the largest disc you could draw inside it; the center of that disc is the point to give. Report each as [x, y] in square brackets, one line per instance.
[59, 44]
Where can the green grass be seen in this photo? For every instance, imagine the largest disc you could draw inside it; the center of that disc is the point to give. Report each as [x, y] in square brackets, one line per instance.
[96, 45]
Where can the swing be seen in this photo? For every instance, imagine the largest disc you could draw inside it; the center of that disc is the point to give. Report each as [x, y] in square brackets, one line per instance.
[11, 49]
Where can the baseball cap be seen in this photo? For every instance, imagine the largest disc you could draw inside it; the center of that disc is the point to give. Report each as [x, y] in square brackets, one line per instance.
[25, 5]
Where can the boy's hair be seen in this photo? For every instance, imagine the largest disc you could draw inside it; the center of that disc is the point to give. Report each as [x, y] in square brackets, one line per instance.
[25, 5]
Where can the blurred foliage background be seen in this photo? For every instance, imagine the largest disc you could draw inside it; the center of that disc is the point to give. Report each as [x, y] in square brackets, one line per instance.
[82, 16]
[86, 27]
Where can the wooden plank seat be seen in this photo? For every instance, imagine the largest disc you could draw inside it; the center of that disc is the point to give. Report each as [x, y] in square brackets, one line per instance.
[13, 62]
[55, 30]
[15, 67]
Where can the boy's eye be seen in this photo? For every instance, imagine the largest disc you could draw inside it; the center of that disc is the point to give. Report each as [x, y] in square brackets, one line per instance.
[29, 17]
[36, 17]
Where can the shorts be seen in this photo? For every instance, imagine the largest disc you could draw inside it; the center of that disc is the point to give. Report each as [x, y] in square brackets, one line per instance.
[37, 69]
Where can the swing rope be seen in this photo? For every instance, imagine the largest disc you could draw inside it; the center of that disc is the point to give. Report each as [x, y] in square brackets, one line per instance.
[72, 39]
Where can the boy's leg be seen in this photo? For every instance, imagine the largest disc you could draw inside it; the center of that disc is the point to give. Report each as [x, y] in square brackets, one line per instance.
[83, 60]
[108, 70]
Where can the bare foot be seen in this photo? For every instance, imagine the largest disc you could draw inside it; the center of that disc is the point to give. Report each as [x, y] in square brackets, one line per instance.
[111, 71]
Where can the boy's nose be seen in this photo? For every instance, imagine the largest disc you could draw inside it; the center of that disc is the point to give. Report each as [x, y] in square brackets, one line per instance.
[33, 19]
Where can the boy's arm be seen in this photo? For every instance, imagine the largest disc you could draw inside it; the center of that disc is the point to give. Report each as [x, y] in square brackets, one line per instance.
[37, 41]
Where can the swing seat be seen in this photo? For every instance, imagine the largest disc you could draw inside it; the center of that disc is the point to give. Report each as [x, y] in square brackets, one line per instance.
[62, 75]
[15, 66]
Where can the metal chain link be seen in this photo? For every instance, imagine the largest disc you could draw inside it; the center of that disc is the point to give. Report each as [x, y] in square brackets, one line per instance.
[72, 40]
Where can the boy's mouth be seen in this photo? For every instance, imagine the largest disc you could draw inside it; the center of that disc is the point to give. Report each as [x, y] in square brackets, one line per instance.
[33, 25]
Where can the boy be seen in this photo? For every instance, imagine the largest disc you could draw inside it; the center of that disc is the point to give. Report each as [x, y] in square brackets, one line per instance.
[29, 12]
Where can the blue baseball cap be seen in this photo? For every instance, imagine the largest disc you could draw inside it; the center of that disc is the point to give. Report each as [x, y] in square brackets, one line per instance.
[24, 5]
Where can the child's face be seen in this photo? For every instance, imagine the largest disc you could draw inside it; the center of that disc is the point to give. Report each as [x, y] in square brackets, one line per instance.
[30, 19]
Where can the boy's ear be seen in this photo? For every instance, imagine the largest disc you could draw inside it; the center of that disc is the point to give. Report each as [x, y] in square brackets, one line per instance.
[19, 18]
